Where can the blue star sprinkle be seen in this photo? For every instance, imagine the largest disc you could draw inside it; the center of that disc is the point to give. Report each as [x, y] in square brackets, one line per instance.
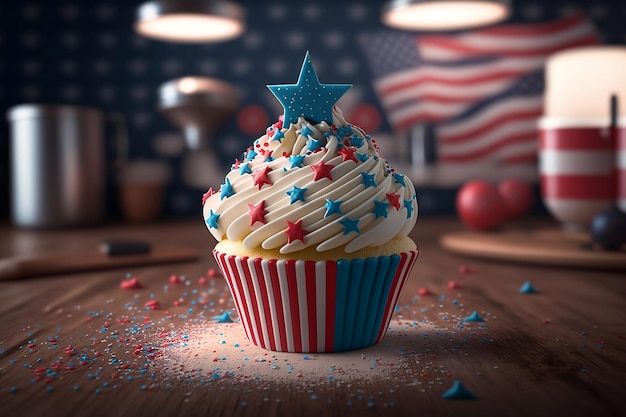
[381, 209]
[344, 131]
[223, 318]
[279, 135]
[473, 317]
[458, 392]
[308, 98]
[332, 207]
[251, 155]
[409, 208]
[212, 220]
[361, 156]
[368, 180]
[245, 169]
[306, 131]
[226, 190]
[350, 225]
[356, 141]
[313, 145]
[296, 160]
[296, 194]
[399, 179]
[527, 288]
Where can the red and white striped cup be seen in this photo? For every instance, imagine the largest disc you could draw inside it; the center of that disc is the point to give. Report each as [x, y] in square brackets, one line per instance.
[577, 168]
[620, 164]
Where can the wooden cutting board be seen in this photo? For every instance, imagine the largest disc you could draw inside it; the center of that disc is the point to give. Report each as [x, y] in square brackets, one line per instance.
[550, 246]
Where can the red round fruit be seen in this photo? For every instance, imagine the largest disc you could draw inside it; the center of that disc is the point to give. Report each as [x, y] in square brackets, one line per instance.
[517, 196]
[480, 205]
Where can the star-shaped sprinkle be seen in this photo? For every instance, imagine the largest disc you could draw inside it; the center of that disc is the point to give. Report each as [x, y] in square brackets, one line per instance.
[350, 225]
[362, 157]
[296, 160]
[322, 170]
[394, 200]
[295, 231]
[279, 135]
[458, 392]
[344, 131]
[296, 194]
[245, 169]
[409, 208]
[313, 145]
[251, 155]
[369, 179]
[223, 318]
[308, 98]
[332, 207]
[399, 178]
[527, 288]
[474, 317]
[226, 190]
[260, 176]
[208, 194]
[381, 209]
[356, 141]
[348, 154]
[257, 212]
[212, 220]
[306, 131]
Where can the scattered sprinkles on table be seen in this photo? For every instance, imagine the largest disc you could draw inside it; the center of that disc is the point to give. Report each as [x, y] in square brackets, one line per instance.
[195, 338]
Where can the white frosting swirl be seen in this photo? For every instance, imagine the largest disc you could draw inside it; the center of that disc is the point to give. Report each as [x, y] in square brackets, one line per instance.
[312, 186]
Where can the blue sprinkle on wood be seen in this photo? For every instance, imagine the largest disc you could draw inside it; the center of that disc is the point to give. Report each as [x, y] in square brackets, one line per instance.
[527, 288]
[223, 318]
[458, 392]
[474, 317]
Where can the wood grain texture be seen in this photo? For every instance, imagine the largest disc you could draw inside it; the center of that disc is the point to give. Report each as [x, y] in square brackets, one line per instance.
[559, 352]
[537, 245]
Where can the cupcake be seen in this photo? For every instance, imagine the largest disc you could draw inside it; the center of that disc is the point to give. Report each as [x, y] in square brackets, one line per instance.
[312, 228]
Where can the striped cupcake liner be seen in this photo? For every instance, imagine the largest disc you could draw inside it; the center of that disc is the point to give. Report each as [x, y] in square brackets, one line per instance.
[316, 306]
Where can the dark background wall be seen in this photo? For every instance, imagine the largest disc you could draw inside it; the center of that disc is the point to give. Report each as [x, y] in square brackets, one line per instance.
[86, 53]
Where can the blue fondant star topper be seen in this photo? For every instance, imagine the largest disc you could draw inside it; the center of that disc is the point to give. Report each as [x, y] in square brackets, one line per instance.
[308, 98]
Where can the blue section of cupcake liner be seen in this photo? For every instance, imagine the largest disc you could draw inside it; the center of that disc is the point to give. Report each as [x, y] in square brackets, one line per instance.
[362, 289]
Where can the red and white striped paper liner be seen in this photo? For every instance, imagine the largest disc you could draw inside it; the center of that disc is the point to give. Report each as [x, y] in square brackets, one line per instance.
[300, 306]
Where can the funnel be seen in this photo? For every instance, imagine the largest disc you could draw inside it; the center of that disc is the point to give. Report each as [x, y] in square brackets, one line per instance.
[199, 106]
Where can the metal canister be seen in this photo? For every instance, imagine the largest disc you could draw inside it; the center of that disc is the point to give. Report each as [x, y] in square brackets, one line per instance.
[57, 166]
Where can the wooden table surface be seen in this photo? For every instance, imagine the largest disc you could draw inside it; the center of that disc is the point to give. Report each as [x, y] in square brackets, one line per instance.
[79, 345]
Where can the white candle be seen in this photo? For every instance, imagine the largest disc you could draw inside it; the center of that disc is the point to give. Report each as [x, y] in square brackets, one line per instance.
[580, 82]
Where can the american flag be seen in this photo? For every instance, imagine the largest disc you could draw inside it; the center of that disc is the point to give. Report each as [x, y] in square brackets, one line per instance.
[482, 89]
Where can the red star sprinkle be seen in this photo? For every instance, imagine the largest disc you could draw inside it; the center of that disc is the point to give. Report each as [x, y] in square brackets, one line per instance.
[394, 200]
[322, 170]
[295, 231]
[260, 176]
[208, 194]
[347, 154]
[131, 284]
[257, 212]
[424, 291]
[152, 304]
